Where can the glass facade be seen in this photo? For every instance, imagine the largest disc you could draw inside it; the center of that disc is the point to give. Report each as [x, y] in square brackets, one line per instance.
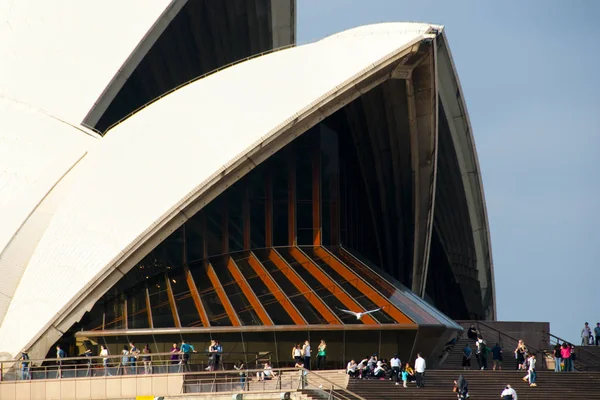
[322, 227]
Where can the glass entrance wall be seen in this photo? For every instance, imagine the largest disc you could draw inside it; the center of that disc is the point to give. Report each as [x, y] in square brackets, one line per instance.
[276, 347]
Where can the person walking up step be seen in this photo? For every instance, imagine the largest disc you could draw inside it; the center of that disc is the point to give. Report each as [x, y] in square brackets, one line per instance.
[420, 367]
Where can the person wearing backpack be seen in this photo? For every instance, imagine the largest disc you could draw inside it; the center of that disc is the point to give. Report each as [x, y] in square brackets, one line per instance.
[482, 353]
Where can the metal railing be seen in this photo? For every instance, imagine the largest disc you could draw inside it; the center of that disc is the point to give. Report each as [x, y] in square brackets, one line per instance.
[316, 382]
[503, 338]
[118, 365]
[584, 360]
[255, 380]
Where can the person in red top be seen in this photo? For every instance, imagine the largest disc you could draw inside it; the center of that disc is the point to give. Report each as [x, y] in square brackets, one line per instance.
[565, 352]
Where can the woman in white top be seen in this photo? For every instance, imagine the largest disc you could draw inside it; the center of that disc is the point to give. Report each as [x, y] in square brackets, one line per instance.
[297, 353]
[104, 355]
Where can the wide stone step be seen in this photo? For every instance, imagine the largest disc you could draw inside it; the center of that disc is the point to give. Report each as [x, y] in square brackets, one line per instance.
[485, 385]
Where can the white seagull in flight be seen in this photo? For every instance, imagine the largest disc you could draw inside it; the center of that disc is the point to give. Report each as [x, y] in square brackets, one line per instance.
[359, 315]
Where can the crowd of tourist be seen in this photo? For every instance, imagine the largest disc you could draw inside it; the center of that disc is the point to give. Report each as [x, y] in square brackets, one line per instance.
[589, 336]
[132, 361]
[374, 368]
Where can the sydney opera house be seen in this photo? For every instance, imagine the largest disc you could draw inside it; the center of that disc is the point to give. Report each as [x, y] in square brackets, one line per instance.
[192, 173]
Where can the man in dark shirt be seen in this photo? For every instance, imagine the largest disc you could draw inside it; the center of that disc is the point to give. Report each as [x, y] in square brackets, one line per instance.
[497, 357]
[472, 332]
[467, 352]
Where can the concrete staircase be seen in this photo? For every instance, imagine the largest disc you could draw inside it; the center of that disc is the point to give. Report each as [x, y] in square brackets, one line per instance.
[485, 385]
[588, 358]
[318, 384]
[454, 359]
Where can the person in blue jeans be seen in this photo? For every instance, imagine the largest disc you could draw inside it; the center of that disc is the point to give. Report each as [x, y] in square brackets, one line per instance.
[557, 357]
[24, 365]
[532, 373]
[240, 367]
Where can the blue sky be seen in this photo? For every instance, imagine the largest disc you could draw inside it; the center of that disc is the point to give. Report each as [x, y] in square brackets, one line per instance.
[529, 72]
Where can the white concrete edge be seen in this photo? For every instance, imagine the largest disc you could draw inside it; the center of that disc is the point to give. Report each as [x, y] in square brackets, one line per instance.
[478, 182]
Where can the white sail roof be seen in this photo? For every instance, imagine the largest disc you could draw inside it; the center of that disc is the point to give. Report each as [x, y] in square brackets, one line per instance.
[154, 163]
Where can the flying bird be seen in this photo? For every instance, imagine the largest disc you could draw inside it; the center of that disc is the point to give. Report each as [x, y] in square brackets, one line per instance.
[359, 315]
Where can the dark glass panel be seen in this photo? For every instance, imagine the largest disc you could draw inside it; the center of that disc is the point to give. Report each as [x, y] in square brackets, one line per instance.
[431, 340]
[275, 310]
[214, 224]
[115, 314]
[137, 316]
[162, 315]
[194, 238]
[320, 290]
[361, 344]
[362, 298]
[261, 346]
[257, 193]
[400, 296]
[329, 183]
[240, 304]
[186, 308]
[303, 152]
[210, 300]
[310, 314]
[166, 256]
[398, 342]
[280, 174]
[235, 199]
[94, 319]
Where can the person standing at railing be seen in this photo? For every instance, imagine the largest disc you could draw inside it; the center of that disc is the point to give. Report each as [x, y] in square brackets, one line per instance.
[218, 352]
[133, 355]
[24, 365]
[214, 355]
[104, 355]
[147, 358]
[240, 367]
[186, 349]
[124, 359]
[175, 358]
[60, 354]
[321, 354]
[597, 333]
